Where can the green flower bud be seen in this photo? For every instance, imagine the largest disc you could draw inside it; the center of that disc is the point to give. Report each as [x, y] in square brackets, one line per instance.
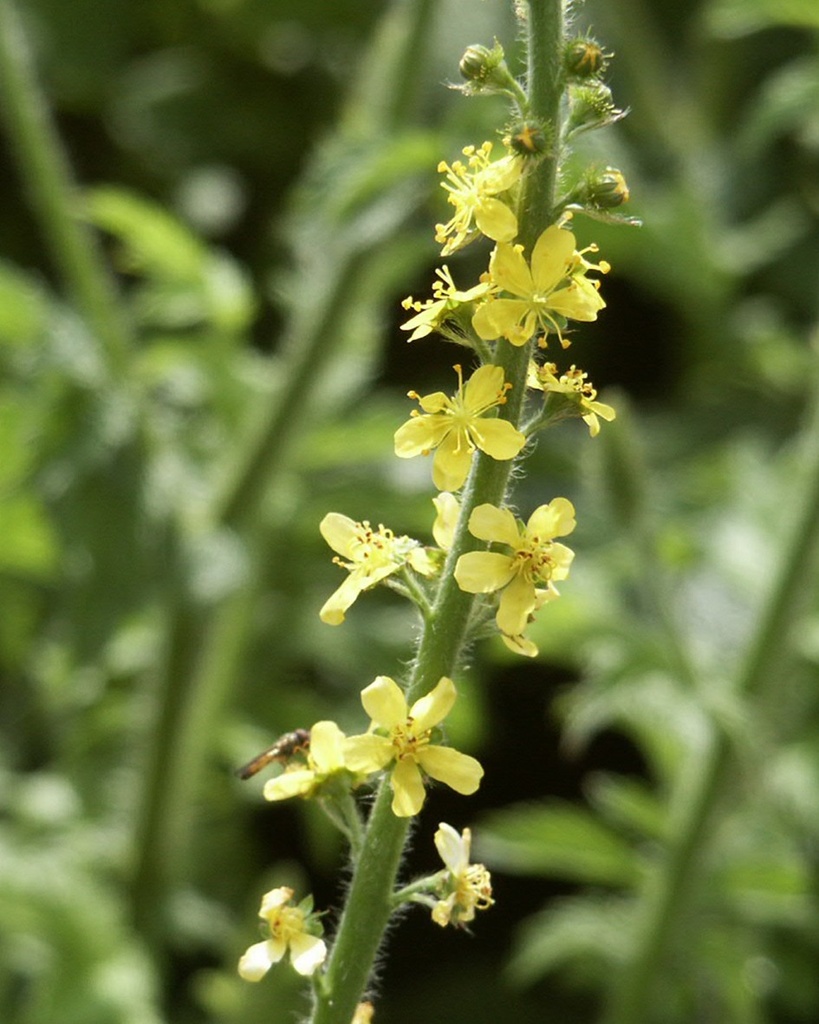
[478, 62]
[591, 106]
[607, 189]
[527, 138]
[584, 58]
[485, 70]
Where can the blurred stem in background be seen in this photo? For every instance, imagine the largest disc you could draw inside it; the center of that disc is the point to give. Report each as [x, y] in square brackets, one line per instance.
[54, 196]
[204, 646]
[701, 791]
[205, 642]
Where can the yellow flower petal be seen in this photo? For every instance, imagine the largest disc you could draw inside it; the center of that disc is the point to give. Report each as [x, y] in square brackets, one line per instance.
[553, 520]
[495, 220]
[551, 258]
[459, 771]
[367, 753]
[433, 708]
[517, 602]
[453, 457]
[259, 958]
[339, 531]
[488, 522]
[419, 435]
[307, 953]
[481, 390]
[481, 572]
[452, 848]
[327, 747]
[333, 609]
[497, 438]
[384, 702]
[510, 271]
[289, 784]
[579, 301]
[446, 521]
[408, 789]
[520, 645]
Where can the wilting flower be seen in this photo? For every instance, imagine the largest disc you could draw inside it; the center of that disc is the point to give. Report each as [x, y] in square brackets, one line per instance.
[466, 887]
[373, 555]
[403, 735]
[577, 389]
[290, 928]
[325, 758]
[526, 575]
[472, 190]
[455, 427]
[446, 300]
[554, 289]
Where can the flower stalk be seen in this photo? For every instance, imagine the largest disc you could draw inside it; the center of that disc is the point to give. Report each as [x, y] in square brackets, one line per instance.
[488, 564]
[369, 900]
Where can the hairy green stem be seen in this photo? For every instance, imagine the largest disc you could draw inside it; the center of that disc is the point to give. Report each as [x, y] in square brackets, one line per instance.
[700, 792]
[369, 901]
[54, 196]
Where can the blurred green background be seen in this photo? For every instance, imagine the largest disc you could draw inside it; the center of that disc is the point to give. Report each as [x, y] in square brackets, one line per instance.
[262, 177]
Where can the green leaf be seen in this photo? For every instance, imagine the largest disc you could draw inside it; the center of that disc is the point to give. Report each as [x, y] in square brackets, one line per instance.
[187, 281]
[22, 307]
[557, 840]
[594, 929]
[739, 17]
[628, 803]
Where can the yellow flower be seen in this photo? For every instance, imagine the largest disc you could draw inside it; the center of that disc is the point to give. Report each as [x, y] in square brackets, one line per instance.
[577, 389]
[373, 555]
[325, 758]
[289, 928]
[472, 189]
[404, 737]
[535, 559]
[554, 289]
[466, 887]
[456, 426]
[445, 302]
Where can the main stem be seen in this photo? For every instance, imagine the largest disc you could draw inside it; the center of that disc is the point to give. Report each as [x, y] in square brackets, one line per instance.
[367, 910]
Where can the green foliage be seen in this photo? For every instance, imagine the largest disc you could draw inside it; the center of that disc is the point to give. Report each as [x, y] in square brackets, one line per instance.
[161, 570]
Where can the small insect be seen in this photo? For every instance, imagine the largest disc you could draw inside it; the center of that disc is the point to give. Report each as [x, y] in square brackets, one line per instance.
[285, 747]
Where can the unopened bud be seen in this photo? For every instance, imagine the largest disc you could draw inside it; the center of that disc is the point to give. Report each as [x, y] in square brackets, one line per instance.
[485, 69]
[527, 138]
[591, 106]
[607, 189]
[584, 58]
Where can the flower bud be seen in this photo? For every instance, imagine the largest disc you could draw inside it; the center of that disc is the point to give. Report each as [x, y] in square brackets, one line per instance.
[584, 58]
[527, 138]
[607, 189]
[591, 106]
[485, 69]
